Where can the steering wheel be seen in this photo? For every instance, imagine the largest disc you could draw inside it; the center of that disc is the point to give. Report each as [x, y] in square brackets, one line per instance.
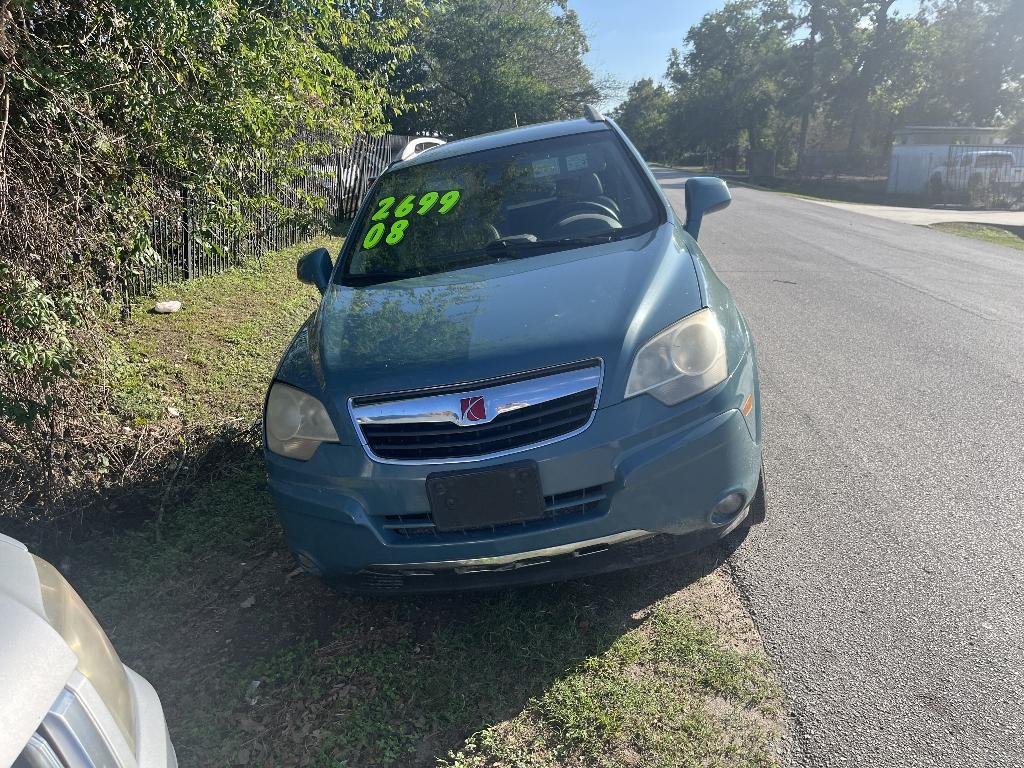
[586, 223]
[489, 231]
[474, 234]
[587, 206]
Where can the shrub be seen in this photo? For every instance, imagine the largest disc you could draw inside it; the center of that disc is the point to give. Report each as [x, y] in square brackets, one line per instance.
[108, 110]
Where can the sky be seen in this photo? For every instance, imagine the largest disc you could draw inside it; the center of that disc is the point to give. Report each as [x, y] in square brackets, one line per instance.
[631, 39]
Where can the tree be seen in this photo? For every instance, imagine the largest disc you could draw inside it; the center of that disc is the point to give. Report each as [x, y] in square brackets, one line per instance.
[809, 82]
[816, 63]
[869, 67]
[838, 75]
[644, 115]
[727, 79]
[484, 65]
[972, 57]
[108, 110]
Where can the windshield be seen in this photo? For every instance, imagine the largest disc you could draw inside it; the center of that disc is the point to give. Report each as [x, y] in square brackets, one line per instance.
[512, 202]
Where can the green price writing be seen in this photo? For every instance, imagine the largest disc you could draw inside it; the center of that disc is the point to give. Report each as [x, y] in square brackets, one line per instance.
[386, 207]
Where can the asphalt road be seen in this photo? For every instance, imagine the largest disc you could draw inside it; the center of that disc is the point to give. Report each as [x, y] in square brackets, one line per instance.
[887, 582]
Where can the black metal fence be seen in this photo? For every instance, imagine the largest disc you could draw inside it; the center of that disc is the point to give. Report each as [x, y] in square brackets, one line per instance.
[358, 166]
[989, 175]
[323, 196]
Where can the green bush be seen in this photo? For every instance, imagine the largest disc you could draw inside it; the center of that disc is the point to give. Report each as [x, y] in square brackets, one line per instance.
[108, 110]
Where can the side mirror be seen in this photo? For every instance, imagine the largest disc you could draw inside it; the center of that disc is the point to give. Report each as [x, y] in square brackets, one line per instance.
[315, 268]
[704, 194]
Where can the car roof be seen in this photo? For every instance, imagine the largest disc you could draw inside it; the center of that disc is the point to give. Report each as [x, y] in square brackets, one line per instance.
[504, 138]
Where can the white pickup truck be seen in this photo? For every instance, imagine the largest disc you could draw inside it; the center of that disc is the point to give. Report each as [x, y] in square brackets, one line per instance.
[993, 170]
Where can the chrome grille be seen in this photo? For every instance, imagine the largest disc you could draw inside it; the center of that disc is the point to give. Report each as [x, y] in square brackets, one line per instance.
[560, 507]
[518, 412]
[525, 426]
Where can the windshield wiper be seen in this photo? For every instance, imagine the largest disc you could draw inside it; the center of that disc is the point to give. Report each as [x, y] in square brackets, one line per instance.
[512, 245]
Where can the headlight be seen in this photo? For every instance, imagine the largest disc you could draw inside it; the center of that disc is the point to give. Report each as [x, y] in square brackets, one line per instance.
[97, 659]
[685, 359]
[296, 422]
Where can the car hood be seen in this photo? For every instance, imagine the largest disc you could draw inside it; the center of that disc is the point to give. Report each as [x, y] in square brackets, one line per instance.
[601, 301]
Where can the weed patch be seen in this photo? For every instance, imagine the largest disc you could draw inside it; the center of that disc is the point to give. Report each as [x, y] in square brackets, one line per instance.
[1012, 237]
[666, 693]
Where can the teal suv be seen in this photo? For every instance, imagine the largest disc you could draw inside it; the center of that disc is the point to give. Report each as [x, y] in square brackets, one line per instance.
[522, 369]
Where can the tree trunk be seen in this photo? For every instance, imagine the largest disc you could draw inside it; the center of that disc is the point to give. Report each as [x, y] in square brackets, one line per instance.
[809, 97]
[870, 68]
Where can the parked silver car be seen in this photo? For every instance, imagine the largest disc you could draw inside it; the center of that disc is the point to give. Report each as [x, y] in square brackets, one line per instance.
[67, 700]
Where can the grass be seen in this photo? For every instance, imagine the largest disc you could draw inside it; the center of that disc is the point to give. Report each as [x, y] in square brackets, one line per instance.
[227, 337]
[1012, 237]
[258, 664]
[664, 693]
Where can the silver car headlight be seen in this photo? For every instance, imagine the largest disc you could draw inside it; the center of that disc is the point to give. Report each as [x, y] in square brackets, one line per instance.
[682, 361]
[97, 659]
[296, 422]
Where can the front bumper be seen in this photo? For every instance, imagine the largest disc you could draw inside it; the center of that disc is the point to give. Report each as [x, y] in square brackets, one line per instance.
[638, 485]
[153, 741]
[585, 558]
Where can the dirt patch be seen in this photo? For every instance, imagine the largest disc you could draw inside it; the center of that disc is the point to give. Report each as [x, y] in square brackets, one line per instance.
[406, 681]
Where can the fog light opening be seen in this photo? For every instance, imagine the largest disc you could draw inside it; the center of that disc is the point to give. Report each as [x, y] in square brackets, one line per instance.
[727, 509]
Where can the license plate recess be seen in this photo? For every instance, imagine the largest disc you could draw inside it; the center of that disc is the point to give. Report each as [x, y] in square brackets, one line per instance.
[482, 498]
